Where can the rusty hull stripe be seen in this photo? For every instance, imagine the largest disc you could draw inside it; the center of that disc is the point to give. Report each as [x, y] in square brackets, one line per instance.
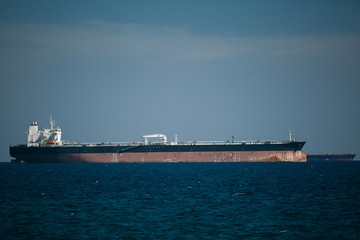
[260, 156]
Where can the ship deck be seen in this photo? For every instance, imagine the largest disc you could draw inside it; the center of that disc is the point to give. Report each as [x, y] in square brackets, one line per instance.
[185, 143]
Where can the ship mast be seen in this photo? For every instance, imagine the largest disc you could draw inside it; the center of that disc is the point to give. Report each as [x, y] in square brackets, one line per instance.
[52, 123]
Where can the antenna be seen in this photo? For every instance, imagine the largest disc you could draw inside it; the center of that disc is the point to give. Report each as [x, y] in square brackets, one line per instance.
[290, 135]
[52, 123]
[176, 138]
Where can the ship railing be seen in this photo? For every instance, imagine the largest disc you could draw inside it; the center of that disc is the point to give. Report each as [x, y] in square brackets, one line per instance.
[251, 142]
[230, 142]
[93, 144]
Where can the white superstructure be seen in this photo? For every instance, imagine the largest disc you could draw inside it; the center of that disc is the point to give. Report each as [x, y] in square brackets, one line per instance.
[49, 136]
[158, 135]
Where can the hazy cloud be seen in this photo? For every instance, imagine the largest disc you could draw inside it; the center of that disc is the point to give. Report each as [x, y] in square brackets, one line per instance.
[98, 37]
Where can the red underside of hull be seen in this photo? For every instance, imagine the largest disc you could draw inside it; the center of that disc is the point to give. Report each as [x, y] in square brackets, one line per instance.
[242, 156]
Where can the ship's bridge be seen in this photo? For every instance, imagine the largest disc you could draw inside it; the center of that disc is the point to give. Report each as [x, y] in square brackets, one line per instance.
[48, 137]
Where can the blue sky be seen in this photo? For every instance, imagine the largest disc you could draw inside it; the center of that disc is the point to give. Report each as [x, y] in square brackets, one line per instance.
[205, 70]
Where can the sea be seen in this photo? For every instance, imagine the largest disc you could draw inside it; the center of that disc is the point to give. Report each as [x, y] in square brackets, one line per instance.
[313, 200]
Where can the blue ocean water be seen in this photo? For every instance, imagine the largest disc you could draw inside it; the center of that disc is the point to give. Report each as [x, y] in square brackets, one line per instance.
[319, 200]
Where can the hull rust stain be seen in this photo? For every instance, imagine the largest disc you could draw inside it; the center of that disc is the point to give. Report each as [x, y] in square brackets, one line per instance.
[239, 156]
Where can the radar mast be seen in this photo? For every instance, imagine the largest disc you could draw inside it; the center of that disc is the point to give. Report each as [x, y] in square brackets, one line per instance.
[52, 123]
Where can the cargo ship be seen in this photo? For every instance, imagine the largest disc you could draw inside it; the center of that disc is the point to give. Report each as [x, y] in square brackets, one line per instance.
[331, 157]
[47, 147]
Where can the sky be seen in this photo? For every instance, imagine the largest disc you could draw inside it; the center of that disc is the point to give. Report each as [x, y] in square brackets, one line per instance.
[112, 71]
